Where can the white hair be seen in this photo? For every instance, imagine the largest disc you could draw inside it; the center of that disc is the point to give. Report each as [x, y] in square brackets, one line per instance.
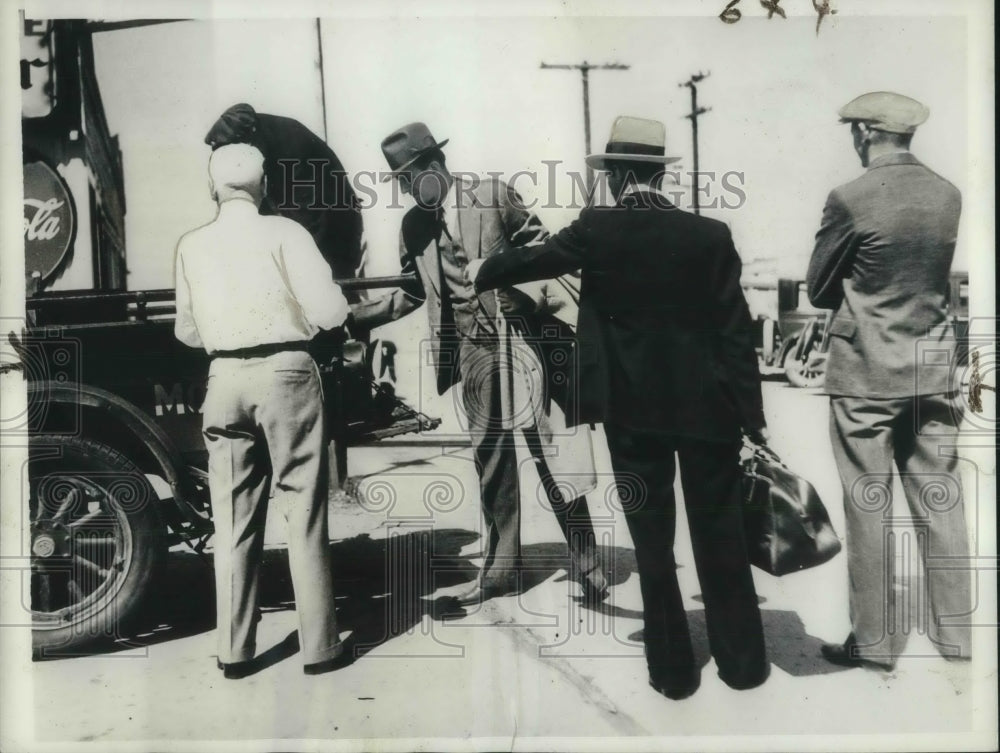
[236, 167]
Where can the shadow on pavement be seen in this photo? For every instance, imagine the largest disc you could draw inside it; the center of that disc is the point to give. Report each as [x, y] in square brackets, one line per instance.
[384, 588]
[789, 647]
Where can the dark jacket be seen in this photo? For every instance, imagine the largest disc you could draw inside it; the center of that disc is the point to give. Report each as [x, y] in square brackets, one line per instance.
[882, 258]
[664, 333]
[306, 182]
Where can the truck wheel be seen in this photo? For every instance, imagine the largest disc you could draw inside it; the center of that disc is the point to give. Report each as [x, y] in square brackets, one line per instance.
[785, 354]
[96, 541]
[800, 376]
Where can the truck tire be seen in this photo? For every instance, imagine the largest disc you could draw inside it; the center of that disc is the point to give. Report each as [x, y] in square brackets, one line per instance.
[799, 376]
[96, 543]
[785, 353]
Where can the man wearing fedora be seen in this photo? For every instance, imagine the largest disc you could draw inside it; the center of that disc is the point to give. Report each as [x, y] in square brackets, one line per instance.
[882, 259]
[667, 363]
[480, 343]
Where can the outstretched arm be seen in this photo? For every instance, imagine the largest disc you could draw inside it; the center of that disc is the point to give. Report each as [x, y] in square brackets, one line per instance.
[563, 252]
[366, 315]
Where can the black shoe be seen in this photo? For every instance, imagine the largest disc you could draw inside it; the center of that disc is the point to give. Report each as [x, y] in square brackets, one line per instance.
[843, 654]
[341, 660]
[237, 670]
[747, 683]
[676, 691]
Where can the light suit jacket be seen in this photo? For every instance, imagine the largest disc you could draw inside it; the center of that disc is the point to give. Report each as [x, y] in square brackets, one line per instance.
[492, 218]
[882, 258]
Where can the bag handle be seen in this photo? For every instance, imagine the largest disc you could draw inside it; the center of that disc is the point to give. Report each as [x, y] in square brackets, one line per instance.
[763, 451]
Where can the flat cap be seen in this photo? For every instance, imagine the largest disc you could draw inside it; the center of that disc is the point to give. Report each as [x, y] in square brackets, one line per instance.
[885, 111]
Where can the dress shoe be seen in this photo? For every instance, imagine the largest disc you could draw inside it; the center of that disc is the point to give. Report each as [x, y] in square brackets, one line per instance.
[329, 665]
[237, 670]
[341, 660]
[595, 586]
[484, 592]
[674, 690]
[843, 654]
[744, 683]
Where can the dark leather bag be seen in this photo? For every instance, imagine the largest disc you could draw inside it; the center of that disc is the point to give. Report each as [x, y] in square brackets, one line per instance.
[787, 528]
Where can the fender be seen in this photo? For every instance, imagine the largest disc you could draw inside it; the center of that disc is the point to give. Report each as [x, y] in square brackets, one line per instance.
[144, 429]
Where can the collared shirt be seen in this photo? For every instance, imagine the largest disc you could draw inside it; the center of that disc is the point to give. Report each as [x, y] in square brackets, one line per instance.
[453, 260]
[245, 280]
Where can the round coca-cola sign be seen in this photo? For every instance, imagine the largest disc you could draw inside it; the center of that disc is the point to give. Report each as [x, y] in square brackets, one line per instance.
[49, 219]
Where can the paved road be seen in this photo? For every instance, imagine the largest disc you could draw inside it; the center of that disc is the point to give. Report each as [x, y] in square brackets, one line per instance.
[531, 665]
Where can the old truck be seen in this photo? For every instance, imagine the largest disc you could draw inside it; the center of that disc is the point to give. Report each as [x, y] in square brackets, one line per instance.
[117, 464]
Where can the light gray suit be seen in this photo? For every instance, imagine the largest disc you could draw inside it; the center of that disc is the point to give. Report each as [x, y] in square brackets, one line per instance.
[882, 259]
[489, 219]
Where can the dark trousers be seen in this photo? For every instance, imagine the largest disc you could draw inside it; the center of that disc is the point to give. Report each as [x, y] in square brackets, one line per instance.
[869, 437]
[710, 477]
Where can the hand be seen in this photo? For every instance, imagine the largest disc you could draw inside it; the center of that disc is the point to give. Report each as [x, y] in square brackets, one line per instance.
[759, 436]
[472, 270]
[512, 301]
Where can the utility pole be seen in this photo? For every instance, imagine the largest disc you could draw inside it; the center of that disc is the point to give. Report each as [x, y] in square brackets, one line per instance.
[322, 77]
[692, 84]
[585, 68]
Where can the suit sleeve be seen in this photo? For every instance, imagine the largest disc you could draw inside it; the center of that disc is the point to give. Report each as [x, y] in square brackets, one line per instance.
[185, 328]
[735, 328]
[369, 314]
[564, 252]
[833, 255]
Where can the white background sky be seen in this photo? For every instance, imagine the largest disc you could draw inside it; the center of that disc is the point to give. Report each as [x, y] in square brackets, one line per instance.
[774, 92]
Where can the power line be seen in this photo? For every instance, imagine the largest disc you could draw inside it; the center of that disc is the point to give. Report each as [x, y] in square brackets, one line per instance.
[585, 68]
[692, 84]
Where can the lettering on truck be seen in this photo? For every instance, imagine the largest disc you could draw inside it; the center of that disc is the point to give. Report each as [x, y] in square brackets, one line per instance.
[178, 400]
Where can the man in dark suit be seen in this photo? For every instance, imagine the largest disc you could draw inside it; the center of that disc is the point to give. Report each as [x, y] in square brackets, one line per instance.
[667, 363]
[306, 182]
[456, 220]
[882, 257]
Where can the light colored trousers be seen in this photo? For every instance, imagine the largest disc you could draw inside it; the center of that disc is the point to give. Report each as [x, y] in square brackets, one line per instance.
[264, 428]
[869, 436]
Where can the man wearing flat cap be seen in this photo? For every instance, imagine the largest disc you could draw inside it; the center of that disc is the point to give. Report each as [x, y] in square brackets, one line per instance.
[490, 344]
[253, 290]
[667, 364]
[882, 259]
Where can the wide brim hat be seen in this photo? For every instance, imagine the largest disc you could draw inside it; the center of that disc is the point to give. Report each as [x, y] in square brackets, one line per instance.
[405, 146]
[885, 111]
[634, 140]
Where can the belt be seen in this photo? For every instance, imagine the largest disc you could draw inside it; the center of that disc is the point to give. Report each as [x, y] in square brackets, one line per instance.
[259, 351]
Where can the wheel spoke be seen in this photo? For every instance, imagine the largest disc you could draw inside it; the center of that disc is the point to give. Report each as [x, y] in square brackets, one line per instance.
[66, 505]
[91, 566]
[85, 519]
[44, 593]
[76, 594]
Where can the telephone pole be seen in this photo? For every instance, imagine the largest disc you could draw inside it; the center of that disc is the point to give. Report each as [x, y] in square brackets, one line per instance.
[585, 68]
[692, 84]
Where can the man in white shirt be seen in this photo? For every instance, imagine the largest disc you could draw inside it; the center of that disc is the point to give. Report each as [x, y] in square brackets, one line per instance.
[252, 291]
